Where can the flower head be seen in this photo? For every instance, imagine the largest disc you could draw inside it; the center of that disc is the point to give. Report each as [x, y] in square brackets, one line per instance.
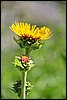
[26, 31]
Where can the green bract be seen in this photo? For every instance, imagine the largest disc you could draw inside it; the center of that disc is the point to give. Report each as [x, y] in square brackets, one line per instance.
[28, 43]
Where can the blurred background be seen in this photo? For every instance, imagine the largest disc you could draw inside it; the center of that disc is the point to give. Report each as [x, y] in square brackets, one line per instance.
[49, 74]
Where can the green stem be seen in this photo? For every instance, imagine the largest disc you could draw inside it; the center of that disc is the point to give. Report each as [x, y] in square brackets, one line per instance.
[23, 80]
[23, 88]
[27, 51]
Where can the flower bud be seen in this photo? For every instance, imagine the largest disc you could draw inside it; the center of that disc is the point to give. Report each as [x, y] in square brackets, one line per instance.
[24, 63]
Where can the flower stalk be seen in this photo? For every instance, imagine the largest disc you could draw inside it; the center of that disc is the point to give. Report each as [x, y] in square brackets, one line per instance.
[23, 79]
[27, 51]
[23, 85]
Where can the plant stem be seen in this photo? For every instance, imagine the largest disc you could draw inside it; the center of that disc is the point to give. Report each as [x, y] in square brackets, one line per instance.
[27, 51]
[23, 84]
[23, 80]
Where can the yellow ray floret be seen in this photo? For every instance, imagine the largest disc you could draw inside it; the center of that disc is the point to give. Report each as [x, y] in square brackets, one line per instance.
[26, 31]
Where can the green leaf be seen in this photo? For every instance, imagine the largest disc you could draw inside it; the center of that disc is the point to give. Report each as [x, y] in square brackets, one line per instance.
[17, 62]
[16, 88]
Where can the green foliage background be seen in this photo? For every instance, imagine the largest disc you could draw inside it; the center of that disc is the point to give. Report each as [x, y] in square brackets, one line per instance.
[49, 74]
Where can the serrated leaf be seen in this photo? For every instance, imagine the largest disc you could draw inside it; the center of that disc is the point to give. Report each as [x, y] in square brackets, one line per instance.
[16, 88]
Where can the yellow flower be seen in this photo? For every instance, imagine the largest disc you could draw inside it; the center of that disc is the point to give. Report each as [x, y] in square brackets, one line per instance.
[26, 31]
